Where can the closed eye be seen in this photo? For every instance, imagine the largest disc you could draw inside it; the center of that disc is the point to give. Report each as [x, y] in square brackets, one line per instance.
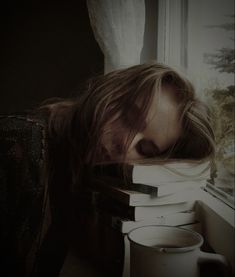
[147, 148]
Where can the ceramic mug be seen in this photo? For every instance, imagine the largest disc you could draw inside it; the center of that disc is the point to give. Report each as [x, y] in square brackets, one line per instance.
[166, 251]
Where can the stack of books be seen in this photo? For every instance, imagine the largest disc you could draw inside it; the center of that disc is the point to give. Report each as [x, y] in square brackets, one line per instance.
[147, 195]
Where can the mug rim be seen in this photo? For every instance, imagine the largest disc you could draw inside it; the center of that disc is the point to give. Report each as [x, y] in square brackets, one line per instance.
[169, 249]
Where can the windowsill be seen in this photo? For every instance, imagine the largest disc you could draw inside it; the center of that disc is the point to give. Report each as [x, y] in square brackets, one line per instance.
[217, 225]
[218, 222]
[221, 195]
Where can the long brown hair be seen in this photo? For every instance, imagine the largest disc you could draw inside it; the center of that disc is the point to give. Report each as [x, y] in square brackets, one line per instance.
[80, 123]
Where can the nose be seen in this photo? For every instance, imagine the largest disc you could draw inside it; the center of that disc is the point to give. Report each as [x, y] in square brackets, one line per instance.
[132, 154]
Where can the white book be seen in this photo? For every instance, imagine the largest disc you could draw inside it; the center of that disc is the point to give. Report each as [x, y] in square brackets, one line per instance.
[147, 212]
[170, 173]
[165, 189]
[174, 219]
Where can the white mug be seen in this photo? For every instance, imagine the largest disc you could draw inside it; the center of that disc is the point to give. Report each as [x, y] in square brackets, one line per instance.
[166, 251]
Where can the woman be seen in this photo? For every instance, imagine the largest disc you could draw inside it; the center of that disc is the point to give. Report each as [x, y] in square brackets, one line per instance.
[143, 114]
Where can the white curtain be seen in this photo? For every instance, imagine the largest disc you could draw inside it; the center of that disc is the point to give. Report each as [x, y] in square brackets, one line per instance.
[118, 27]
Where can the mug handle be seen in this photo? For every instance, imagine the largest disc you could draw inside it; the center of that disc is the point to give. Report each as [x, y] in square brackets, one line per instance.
[215, 258]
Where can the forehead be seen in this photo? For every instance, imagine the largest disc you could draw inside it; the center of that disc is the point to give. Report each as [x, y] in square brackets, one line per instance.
[163, 124]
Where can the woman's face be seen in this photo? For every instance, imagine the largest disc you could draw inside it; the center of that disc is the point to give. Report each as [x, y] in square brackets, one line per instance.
[162, 128]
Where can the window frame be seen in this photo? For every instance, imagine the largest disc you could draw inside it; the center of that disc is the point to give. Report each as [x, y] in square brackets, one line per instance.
[214, 212]
[218, 224]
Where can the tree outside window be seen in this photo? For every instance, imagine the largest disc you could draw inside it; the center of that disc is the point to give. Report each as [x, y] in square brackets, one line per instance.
[222, 103]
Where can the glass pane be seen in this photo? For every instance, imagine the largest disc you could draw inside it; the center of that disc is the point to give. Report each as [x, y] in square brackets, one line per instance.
[211, 67]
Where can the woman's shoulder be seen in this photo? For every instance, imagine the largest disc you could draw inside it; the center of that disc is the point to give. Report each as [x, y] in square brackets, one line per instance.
[23, 118]
[22, 179]
[23, 133]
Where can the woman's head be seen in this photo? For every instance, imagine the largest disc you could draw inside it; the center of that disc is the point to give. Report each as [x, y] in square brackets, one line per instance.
[146, 113]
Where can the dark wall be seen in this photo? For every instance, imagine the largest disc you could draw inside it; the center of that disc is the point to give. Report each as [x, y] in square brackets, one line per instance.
[47, 50]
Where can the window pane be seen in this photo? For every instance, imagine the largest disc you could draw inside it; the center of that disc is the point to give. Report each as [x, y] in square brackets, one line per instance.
[211, 67]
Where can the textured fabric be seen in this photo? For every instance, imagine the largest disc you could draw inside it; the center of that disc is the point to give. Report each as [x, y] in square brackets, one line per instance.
[27, 239]
[22, 188]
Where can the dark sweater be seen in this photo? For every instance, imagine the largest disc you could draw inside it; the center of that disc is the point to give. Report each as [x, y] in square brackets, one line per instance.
[33, 203]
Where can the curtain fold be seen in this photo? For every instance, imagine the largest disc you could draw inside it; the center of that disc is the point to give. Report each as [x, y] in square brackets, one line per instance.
[118, 26]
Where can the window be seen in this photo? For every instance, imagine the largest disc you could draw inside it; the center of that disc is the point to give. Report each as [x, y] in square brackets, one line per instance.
[197, 38]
